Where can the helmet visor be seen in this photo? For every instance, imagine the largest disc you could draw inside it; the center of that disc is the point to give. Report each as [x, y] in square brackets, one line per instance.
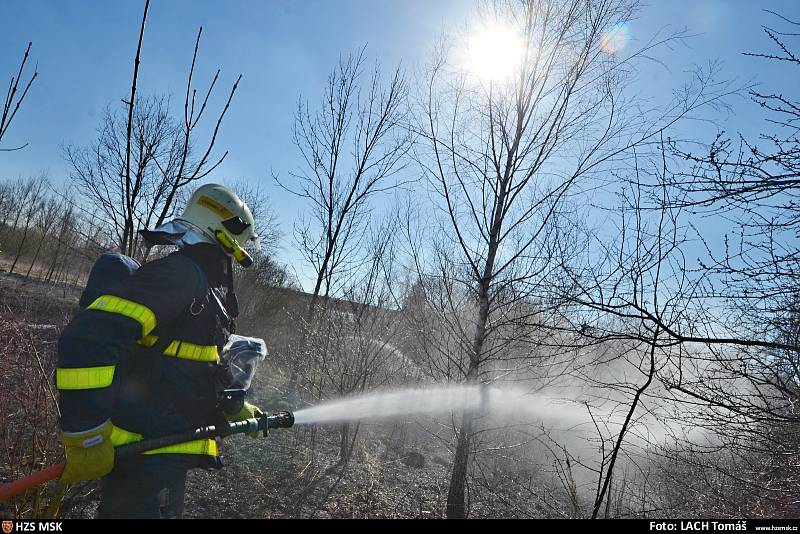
[236, 225]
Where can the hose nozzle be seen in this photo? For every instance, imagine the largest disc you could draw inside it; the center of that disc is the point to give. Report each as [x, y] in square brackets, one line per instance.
[280, 420]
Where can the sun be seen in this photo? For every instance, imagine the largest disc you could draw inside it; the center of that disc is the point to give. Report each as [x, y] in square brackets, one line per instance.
[494, 53]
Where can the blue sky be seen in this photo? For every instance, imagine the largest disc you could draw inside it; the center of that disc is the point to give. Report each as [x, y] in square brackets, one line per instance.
[285, 49]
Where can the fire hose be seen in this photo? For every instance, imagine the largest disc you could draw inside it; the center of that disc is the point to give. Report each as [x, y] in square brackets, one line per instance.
[247, 426]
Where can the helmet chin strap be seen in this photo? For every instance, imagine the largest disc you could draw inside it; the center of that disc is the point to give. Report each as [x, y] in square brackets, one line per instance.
[231, 302]
[233, 248]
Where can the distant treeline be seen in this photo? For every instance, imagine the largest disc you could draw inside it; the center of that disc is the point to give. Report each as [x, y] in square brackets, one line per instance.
[45, 234]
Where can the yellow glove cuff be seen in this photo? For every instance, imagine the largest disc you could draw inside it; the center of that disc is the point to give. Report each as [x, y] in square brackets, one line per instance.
[88, 438]
[89, 454]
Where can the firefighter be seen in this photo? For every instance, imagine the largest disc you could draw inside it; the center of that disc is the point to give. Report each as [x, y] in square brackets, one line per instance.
[142, 360]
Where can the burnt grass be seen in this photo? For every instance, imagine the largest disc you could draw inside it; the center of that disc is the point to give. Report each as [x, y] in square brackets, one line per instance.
[291, 473]
[277, 478]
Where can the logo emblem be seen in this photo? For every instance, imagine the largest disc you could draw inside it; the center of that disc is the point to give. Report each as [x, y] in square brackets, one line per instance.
[8, 526]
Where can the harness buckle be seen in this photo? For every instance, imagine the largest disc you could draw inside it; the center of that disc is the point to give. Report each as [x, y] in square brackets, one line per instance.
[194, 305]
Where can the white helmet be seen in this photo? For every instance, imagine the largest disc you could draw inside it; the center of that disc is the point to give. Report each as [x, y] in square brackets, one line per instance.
[219, 214]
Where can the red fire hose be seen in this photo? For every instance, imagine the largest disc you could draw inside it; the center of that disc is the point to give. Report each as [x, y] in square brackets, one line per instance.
[263, 423]
[31, 481]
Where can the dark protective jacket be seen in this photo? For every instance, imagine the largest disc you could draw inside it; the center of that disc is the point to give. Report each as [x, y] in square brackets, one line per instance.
[145, 355]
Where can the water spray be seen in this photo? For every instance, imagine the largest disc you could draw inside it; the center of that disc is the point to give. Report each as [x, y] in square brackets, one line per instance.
[480, 399]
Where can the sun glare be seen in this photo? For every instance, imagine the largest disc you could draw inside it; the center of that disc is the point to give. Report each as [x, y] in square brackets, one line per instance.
[494, 53]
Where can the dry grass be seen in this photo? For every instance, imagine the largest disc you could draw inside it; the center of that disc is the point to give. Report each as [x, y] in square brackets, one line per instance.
[28, 408]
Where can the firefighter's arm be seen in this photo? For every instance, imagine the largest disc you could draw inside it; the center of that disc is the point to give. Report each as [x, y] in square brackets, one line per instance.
[90, 348]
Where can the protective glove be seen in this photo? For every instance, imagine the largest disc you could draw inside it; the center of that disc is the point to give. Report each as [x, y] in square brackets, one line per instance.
[90, 454]
[248, 411]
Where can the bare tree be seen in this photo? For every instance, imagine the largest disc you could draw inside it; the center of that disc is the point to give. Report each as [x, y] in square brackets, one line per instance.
[353, 147]
[65, 240]
[727, 324]
[753, 185]
[739, 303]
[740, 391]
[505, 158]
[636, 268]
[10, 191]
[14, 99]
[29, 202]
[143, 158]
[748, 375]
[47, 216]
[96, 169]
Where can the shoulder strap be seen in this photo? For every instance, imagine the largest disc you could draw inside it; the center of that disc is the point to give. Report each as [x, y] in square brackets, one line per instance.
[201, 288]
[198, 299]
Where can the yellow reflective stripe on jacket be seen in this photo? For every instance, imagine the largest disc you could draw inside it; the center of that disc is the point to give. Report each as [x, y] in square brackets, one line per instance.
[184, 349]
[148, 341]
[190, 351]
[139, 313]
[84, 377]
[198, 446]
[120, 436]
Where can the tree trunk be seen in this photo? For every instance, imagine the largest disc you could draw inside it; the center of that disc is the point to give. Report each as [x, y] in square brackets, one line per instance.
[456, 508]
[56, 257]
[20, 246]
[45, 235]
[344, 444]
[456, 505]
